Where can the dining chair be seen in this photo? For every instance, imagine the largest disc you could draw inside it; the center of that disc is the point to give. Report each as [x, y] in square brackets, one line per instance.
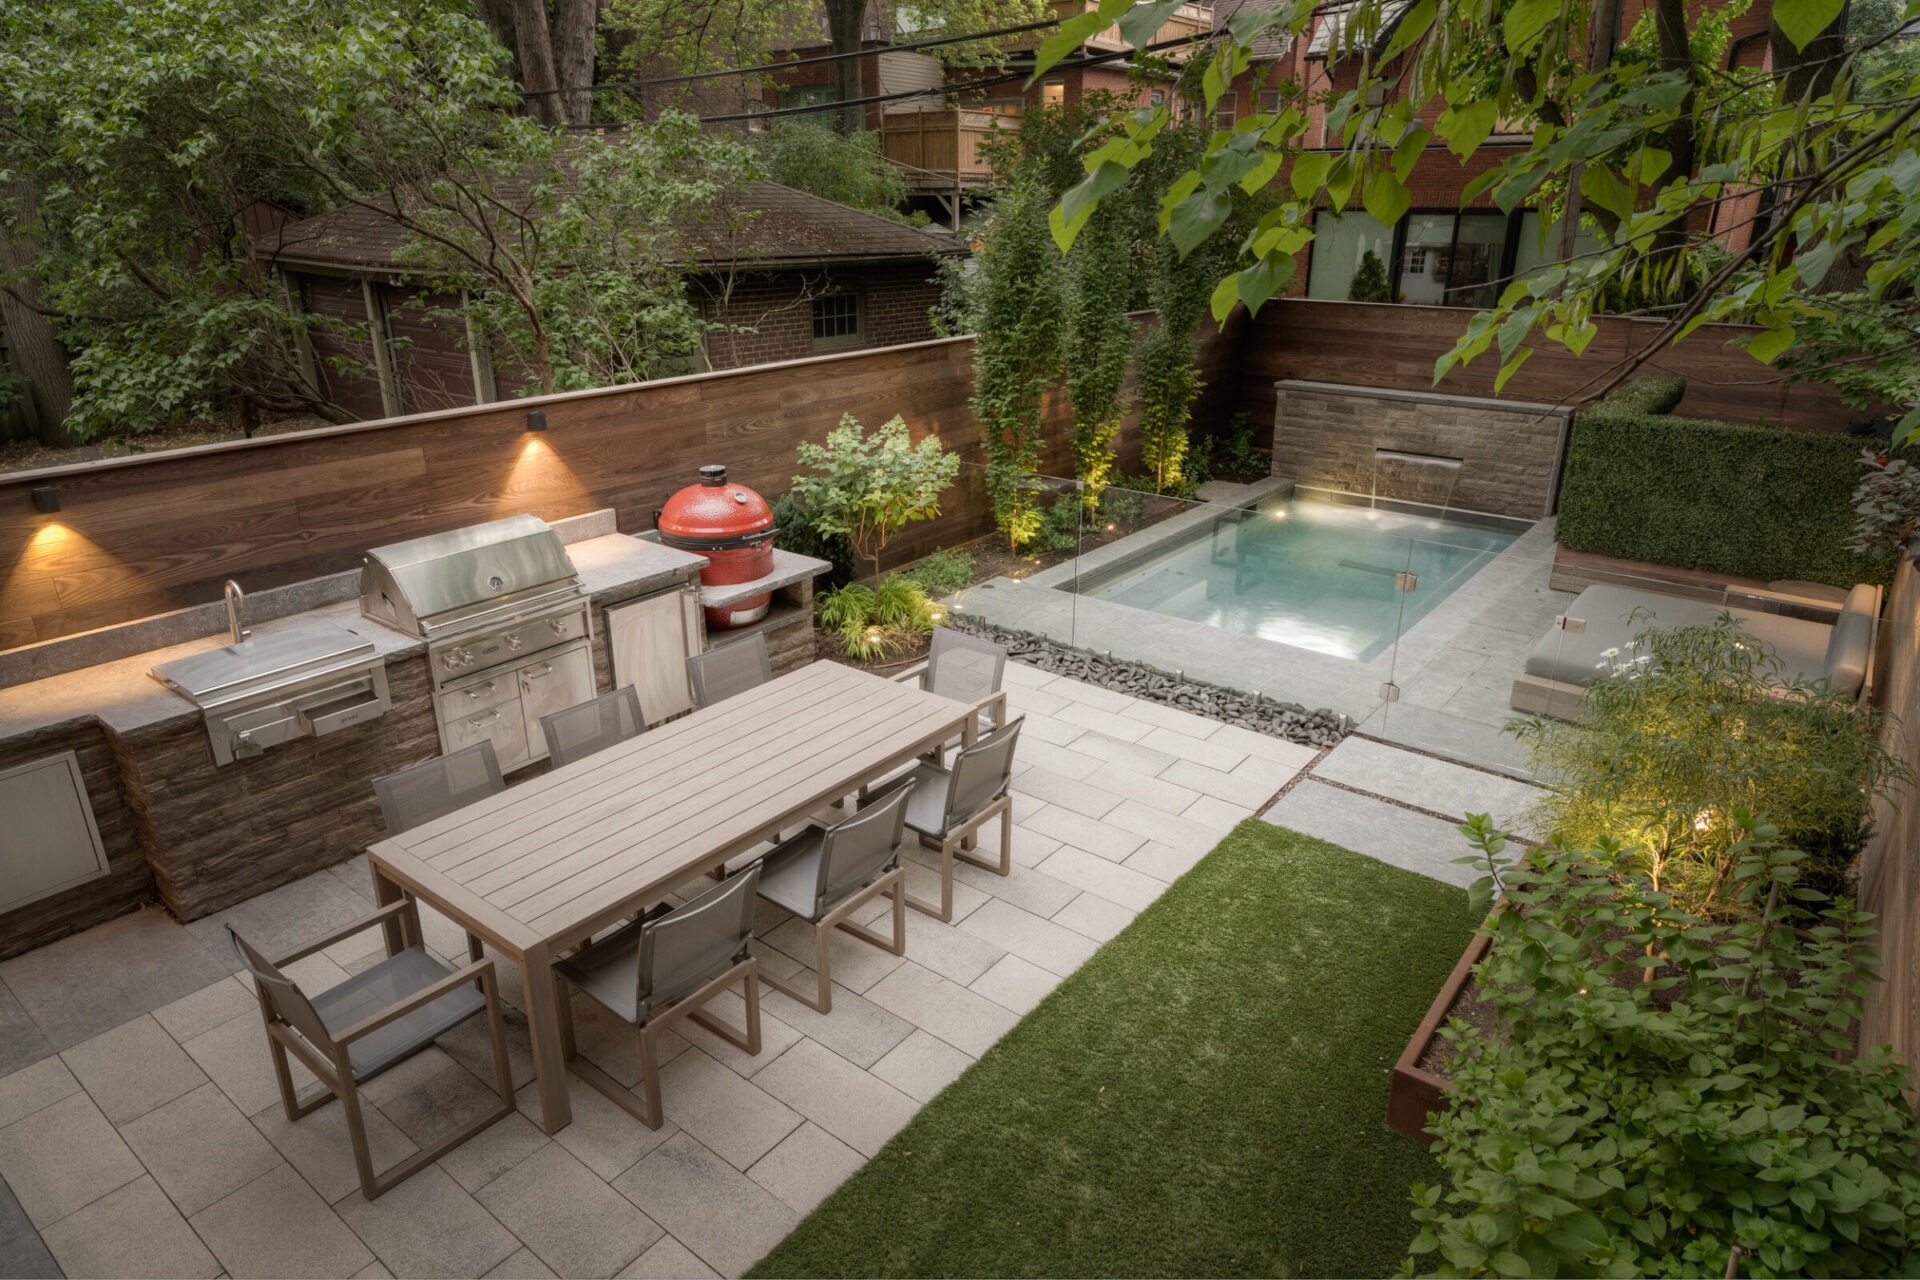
[965, 668]
[596, 724]
[376, 1019]
[824, 874]
[947, 807]
[659, 969]
[730, 668]
[435, 788]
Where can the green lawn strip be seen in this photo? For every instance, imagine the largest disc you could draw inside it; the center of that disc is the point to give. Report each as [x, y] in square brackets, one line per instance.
[1205, 1097]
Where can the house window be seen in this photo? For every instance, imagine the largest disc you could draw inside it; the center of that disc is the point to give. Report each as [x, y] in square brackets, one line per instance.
[836, 321]
[1270, 100]
[809, 95]
[1226, 111]
[1053, 93]
[1157, 98]
[1437, 259]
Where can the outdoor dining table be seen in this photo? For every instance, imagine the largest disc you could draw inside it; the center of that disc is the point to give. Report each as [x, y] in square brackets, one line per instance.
[541, 867]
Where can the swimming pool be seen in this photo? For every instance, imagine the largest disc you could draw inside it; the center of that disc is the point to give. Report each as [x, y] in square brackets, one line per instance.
[1317, 574]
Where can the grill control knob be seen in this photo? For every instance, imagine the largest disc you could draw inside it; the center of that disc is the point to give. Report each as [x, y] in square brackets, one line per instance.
[559, 626]
[513, 641]
[451, 659]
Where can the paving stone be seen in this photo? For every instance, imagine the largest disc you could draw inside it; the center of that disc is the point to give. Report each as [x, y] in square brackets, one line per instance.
[1017, 984]
[212, 1005]
[91, 982]
[806, 1167]
[613, 1045]
[1163, 862]
[1429, 783]
[235, 1056]
[430, 1226]
[373, 1271]
[1159, 791]
[1126, 751]
[1058, 789]
[726, 1218]
[524, 1264]
[199, 1148]
[968, 1022]
[31, 1088]
[1213, 752]
[471, 1045]
[278, 1226]
[922, 1065]
[62, 1158]
[923, 882]
[1034, 938]
[319, 1147]
[602, 1136]
[1380, 830]
[430, 1111]
[1097, 917]
[22, 1251]
[855, 965]
[133, 1232]
[21, 1042]
[494, 1150]
[1150, 824]
[1268, 773]
[853, 1105]
[1062, 761]
[283, 919]
[1127, 886]
[133, 1069]
[1106, 839]
[668, 1260]
[1288, 755]
[1248, 793]
[1210, 811]
[1163, 716]
[1108, 723]
[1089, 695]
[1047, 729]
[737, 1119]
[730, 1008]
[1022, 886]
[574, 1222]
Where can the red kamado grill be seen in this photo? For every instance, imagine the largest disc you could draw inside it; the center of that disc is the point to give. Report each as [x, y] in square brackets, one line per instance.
[731, 526]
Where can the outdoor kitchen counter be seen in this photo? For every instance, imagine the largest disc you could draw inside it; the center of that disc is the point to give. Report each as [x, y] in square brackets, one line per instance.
[123, 698]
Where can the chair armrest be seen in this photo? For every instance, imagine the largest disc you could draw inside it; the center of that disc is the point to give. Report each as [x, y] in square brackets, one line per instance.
[918, 671]
[425, 996]
[326, 940]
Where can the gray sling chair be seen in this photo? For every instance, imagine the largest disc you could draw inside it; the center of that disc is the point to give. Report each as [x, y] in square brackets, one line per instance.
[594, 725]
[825, 874]
[967, 669]
[727, 669]
[661, 968]
[350, 1033]
[433, 789]
[948, 806]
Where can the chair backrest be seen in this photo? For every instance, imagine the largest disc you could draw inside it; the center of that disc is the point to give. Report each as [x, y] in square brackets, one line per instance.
[696, 941]
[290, 1004]
[981, 773]
[596, 724]
[734, 667]
[437, 787]
[855, 851]
[963, 667]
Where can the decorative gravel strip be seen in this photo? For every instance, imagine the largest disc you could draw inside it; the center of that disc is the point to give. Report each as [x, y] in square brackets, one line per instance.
[1289, 720]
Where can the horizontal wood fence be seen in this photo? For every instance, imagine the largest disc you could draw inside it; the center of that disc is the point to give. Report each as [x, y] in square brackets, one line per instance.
[141, 535]
[1395, 346]
[1890, 865]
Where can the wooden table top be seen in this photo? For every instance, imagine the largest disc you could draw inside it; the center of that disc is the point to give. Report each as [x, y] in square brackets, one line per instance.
[552, 859]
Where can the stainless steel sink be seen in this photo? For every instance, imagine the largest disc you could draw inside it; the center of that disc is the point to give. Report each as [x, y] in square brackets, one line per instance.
[270, 689]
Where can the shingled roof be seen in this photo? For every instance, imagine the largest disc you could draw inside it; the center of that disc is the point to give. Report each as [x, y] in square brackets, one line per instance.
[790, 228]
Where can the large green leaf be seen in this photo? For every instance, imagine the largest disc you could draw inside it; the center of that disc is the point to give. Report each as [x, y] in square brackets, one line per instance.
[1073, 33]
[1080, 200]
[1527, 21]
[1598, 184]
[1195, 218]
[1801, 20]
[1418, 21]
[1139, 24]
[1264, 279]
[1467, 125]
[1386, 197]
[1769, 344]
[1309, 172]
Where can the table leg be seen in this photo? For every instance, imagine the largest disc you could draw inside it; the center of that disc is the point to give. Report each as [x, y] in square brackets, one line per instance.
[386, 893]
[549, 1052]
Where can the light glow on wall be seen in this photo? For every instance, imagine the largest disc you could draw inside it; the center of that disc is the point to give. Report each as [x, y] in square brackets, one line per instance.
[541, 481]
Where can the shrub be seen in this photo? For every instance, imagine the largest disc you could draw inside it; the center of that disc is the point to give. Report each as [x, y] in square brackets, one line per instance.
[869, 487]
[1650, 393]
[943, 573]
[873, 622]
[1370, 280]
[1749, 500]
[1628, 1116]
[795, 530]
[1692, 724]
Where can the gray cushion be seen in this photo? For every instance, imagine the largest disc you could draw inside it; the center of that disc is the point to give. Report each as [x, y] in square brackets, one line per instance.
[1848, 649]
[1615, 615]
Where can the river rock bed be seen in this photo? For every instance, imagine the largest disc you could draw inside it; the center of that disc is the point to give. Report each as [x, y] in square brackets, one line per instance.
[1288, 720]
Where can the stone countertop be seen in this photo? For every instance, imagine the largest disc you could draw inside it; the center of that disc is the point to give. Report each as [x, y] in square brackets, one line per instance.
[123, 697]
[788, 568]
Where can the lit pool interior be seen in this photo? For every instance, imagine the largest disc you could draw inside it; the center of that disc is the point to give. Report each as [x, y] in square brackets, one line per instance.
[1313, 573]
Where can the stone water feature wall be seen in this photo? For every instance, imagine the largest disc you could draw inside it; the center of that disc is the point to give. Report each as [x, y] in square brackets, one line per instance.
[1326, 436]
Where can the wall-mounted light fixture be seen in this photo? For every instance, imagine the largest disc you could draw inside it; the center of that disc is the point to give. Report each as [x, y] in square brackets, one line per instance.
[46, 499]
[536, 420]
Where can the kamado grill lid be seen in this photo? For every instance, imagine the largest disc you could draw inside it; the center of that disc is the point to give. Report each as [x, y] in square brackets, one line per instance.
[714, 515]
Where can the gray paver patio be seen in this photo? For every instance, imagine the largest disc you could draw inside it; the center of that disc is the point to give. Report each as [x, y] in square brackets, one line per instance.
[193, 1167]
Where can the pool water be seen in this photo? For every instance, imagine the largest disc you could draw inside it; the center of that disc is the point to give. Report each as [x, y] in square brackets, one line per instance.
[1318, 575]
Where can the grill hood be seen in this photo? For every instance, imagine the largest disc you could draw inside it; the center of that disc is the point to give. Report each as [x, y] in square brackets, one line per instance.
[463, 578]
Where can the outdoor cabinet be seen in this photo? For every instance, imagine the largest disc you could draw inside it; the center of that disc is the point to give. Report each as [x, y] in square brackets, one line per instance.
[649, 641]
[49, 841]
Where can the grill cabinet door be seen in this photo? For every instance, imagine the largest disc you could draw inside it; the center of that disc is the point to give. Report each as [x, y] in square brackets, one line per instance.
[554, 683]
[650, 641]
[501, 723]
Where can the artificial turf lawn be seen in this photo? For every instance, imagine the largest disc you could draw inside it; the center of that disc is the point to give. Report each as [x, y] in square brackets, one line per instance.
[1205, 1097]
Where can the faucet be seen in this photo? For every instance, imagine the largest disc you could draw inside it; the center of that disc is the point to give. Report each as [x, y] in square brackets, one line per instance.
[236, 601]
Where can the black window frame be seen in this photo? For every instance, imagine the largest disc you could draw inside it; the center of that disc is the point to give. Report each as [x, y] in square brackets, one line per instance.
[856, 337]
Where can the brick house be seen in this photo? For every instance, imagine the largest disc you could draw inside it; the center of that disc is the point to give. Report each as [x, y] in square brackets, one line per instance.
[805, 277]
[1439, 253]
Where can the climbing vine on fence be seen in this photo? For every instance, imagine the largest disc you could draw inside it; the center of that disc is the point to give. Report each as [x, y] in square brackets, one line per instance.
[1099, 343]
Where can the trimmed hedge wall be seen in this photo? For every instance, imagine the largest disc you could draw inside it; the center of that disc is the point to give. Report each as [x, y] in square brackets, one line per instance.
[1747, 500]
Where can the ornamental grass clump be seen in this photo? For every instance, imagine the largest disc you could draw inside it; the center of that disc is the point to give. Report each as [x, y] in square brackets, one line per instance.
[1693, 723]
[875, 622]
[1611, 1125]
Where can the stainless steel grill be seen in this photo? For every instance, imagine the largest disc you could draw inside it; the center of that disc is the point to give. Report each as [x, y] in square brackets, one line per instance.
[507, 626]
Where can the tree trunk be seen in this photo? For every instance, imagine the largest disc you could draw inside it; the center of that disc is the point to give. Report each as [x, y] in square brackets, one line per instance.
[498, 17]
[573, 30]
[1809, 72]
[33, 348]
[534, 39]
[1602, 40]
[846, 23]
[1676, 55]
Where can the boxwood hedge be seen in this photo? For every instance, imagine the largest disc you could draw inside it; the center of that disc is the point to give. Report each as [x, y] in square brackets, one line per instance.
[1735, 498]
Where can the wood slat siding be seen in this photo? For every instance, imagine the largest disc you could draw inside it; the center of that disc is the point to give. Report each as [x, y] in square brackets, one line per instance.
[141, 535]
[1395, 346]
[339, 299]
[1890, 865]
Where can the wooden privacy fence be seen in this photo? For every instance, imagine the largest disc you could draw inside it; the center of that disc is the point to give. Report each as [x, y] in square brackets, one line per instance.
[1890, 865]
[144, 534]
[1393, 345]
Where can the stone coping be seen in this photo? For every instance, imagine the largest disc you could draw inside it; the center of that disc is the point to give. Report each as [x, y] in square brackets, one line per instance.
[789, 567]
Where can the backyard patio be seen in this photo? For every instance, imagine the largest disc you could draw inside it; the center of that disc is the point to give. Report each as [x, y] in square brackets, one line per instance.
[141, 1134]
